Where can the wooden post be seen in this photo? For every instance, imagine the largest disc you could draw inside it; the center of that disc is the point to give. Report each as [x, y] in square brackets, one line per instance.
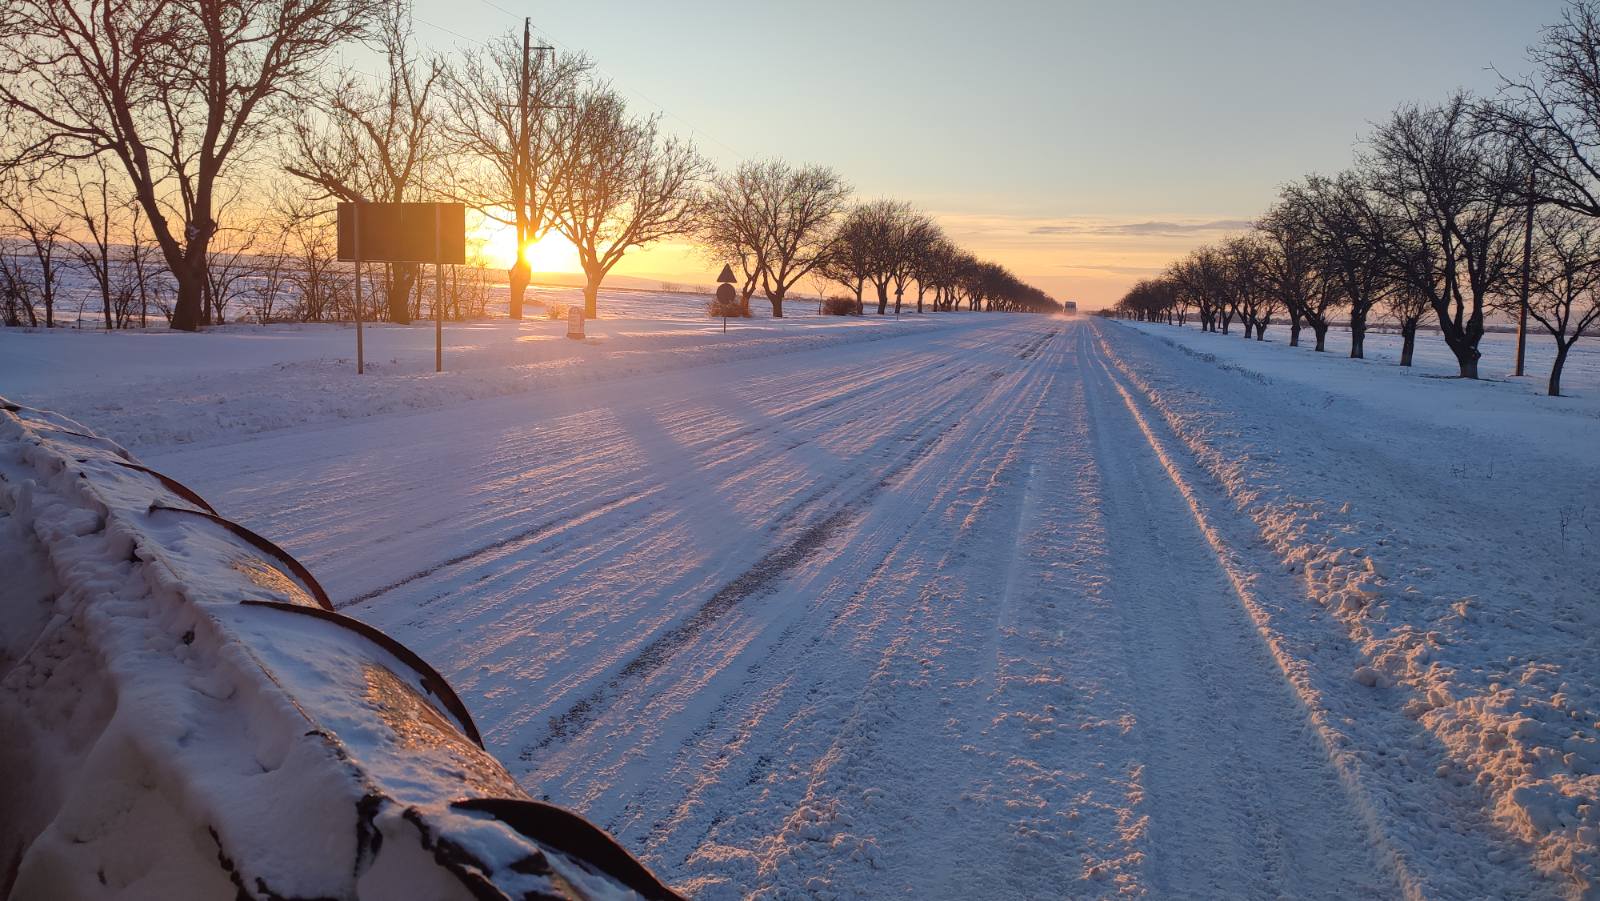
[361, 364]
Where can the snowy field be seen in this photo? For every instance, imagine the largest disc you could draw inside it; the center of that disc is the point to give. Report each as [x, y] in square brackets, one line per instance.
[967, 605]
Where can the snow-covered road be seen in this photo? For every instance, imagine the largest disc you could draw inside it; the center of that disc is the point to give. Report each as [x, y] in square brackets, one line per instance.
[961, 612]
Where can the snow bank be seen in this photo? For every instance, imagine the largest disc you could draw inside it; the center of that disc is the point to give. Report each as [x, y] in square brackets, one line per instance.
[183, 716]
[1455, 553]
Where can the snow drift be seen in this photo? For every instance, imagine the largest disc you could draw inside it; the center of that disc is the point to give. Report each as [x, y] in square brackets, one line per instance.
[183, 715]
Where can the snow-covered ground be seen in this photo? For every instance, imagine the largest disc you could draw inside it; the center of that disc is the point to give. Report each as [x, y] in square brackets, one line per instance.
[964, 605]
[158, 387]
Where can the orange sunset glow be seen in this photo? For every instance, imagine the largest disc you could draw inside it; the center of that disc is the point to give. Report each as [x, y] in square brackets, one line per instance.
[498, 243]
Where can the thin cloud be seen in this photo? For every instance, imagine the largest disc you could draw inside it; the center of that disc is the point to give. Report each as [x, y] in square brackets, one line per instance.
[1154, 229]
[1101, 271]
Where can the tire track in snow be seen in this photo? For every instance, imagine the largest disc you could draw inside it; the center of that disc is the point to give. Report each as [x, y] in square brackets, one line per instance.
[919, 541]
[758, 579]
[557, 526]
[766, 571]
[1224, 737]
[510, 543]
[1308, 653]
[889, 422]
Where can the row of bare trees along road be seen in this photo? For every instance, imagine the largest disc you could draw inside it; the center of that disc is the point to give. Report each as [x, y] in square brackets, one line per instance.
[1453, 210]
[187, 155]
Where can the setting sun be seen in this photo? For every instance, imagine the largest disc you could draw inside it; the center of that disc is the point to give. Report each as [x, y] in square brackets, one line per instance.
[551, 253]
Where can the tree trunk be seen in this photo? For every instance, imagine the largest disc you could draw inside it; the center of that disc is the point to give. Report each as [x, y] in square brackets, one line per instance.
[1465, 349]
[745, 294]
[521, 274]
[1358, 337]
[591, 296]
[777, 305]
[186, 313]
[1408, 334]
[1294, 332]
[1554, 389]
[883, 299]
[401, 277]
[1321, 331]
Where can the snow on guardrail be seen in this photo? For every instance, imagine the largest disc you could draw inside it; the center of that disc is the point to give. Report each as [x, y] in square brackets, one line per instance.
[182, 714]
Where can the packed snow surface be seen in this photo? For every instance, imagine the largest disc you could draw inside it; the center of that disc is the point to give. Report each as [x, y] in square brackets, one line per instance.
[967, 605]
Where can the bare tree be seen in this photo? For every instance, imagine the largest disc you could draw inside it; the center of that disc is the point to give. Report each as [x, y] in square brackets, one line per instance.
[616, 183]
[85, 197]
[1457, 189]
[318, 282]
[913, 241]
[820, 280]
[41, 228]
[853, 258]
[274, 270]
[504, 106]
[172, 89]
[1150, 300]
[1565, 295]
[16, 288]
[1346, 266]
[142, 265]
[798, 208]
[1407, 305]
[1248, 284]
[934, 269]
[1201, 276]
[375, 144]
[878, 228]
[232, 269]
[1291, 267]
[1552, 117]
[732, 227]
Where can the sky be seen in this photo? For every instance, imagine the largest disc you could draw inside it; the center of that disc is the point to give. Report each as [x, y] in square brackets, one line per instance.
[1083, 144]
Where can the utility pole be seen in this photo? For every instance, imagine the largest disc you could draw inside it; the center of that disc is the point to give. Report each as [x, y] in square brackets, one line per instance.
[520, 270]
[522, 175]
[1527, 277]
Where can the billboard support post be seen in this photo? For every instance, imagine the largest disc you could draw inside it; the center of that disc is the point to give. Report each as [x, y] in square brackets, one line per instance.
[361, 362]
[438, 292]
[403, 233]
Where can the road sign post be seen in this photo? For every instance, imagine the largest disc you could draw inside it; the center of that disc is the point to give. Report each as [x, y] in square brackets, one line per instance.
[726, 297]
[438, 291]
[361, 361]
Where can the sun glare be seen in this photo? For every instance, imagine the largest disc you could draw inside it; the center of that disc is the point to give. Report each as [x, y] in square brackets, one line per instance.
[551, 253]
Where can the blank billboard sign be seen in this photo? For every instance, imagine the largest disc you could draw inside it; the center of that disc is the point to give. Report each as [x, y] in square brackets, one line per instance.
[404, 232]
